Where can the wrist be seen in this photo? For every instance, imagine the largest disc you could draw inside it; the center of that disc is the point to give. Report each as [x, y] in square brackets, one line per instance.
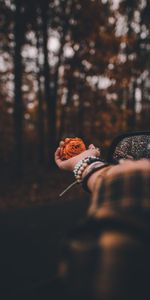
[90, 170]
[82, 165]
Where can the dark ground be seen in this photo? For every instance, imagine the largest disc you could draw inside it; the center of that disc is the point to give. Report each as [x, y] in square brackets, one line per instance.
[37, 186]
[33, 227]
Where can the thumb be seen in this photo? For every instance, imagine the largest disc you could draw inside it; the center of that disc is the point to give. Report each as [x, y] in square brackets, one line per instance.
[91, 146]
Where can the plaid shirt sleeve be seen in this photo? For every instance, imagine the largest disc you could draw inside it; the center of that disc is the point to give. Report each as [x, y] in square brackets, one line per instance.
[114, 203]
[127, 191]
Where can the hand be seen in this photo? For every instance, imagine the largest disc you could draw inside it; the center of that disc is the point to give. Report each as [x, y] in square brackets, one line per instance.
[69, 164]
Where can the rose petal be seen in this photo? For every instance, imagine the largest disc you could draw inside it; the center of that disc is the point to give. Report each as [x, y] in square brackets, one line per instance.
[72, 147]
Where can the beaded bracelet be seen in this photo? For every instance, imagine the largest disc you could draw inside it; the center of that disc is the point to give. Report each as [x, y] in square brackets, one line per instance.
[79, 169]
[92, 169]
[81, 166]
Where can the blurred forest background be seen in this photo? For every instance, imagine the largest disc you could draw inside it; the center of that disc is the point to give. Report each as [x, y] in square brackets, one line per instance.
[67, 68]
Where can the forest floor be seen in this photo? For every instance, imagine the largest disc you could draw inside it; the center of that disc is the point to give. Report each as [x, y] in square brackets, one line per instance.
[36, 187]
[34, 223]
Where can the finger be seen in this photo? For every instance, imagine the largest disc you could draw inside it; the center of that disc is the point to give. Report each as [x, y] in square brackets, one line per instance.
[96, 151]
[58, 162]
[61, 143]
[92, 152]
[57, 152]
[57, 155]
[91, 146]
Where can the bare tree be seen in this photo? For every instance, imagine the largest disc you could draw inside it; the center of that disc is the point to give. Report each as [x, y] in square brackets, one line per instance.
[18, 104]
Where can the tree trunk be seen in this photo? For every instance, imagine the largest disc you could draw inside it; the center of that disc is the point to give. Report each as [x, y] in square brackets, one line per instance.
[145, 108]
[63, 114]
[53, 91]
[18, 105]
[53, 103]
[131, 96]
[132, 116]
[65, 24]
[51, 114]
[41, 139]
[81, 118]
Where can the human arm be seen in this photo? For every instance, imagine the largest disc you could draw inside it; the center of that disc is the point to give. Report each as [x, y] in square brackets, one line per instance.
[97, 175]
[70, 164]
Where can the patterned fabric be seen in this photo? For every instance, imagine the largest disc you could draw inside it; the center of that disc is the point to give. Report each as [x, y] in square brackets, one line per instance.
[135, 147]
[130, 190]
[107, 256]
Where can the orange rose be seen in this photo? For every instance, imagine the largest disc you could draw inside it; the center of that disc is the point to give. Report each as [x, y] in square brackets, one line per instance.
[71, 147]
